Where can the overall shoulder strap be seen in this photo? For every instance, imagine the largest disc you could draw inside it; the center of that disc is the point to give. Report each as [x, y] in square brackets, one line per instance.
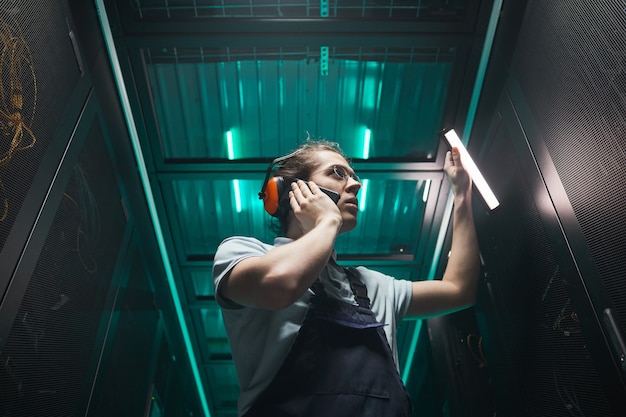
[358, 287]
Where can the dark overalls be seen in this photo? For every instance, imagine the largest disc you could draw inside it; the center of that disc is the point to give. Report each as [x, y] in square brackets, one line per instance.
[340, 364]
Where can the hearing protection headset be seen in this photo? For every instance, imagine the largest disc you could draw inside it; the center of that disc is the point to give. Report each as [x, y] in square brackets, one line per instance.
[275, 190]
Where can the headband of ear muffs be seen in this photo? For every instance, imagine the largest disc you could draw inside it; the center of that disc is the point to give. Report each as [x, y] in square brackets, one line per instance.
[275, 191]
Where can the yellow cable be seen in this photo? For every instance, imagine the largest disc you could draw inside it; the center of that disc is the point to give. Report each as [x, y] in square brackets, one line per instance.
[14, 129]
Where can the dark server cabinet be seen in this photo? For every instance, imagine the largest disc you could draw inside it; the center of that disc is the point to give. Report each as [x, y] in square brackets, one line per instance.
[87, 325]
[552, 145]
[67, 270]
[41, 94]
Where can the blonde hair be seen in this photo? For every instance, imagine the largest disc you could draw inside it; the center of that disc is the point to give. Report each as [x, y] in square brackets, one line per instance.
[304, 160]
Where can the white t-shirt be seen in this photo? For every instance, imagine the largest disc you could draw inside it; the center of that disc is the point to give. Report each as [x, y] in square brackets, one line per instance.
[261, 339]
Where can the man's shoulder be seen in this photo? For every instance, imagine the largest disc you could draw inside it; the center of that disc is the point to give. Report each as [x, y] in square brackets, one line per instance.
[375, 279]
[236, 244]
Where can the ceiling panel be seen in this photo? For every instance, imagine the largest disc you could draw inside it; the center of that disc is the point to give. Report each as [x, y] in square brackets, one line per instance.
[215, 340]
[203, 212]
[209, 210]
[222, 387]
[423, 10]
[247, 103]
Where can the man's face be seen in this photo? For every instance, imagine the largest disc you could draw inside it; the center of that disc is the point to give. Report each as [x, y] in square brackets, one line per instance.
[335, 174]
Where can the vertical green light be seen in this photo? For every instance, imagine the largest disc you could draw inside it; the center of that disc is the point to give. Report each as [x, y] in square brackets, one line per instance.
[237, 196]
[411, 354]
[229, 145]
[364, 187]
[281, 85]
[366, 143]
[447, 215]
[366, 154]
[231, 155]
[482, 69]
[145, 181]
[478, 82]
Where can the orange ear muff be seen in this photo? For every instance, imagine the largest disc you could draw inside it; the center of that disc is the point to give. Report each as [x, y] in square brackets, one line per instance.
[275, 191]
[275, 197]
[272, 197]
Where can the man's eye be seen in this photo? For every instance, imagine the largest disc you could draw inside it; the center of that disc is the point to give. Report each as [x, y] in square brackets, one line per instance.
[340, 172]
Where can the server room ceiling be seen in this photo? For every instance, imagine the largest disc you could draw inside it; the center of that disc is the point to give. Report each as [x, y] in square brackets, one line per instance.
[220, 88]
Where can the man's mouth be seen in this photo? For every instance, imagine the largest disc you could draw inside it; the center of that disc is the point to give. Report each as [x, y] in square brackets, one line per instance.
[353, 202]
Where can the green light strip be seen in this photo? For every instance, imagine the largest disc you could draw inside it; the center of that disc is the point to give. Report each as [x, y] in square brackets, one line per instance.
[471, 115]
[411, 355]
[237, 196]
[482, 69]
[445, 222]
[363, 197]
[229, 145]
[132, 130]
[366, 143]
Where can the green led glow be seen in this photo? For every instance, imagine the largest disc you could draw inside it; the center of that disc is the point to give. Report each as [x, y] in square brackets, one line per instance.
[237, 195]
[366, 143]
[447, 213]
[143, 172]
[240, 84]
[411, 354]
[363, 192]
[281, 86]
[482, 69]
[445, 222]
[229, 144]
[231, 156]
[480, 76]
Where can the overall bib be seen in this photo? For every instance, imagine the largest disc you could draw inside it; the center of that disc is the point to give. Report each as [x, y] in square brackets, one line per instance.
[340, 365]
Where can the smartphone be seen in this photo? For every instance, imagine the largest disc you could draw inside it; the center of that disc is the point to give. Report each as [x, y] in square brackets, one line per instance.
[332, 194]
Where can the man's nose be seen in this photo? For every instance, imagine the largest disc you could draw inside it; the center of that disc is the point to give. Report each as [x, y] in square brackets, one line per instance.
[353, 185]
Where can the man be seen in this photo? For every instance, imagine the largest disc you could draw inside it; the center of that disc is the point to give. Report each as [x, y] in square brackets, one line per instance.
[310, 338]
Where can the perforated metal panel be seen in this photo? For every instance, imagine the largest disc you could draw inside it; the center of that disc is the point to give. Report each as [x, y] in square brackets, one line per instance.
[570, 65]
[47, 356]
[38, 73]
[536, 350]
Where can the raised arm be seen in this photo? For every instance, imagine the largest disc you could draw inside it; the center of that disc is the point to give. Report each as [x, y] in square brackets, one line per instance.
[457, 289]
[278, 278]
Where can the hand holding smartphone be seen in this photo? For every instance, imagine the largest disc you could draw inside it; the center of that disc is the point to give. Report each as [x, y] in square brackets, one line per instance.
[332, 194]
